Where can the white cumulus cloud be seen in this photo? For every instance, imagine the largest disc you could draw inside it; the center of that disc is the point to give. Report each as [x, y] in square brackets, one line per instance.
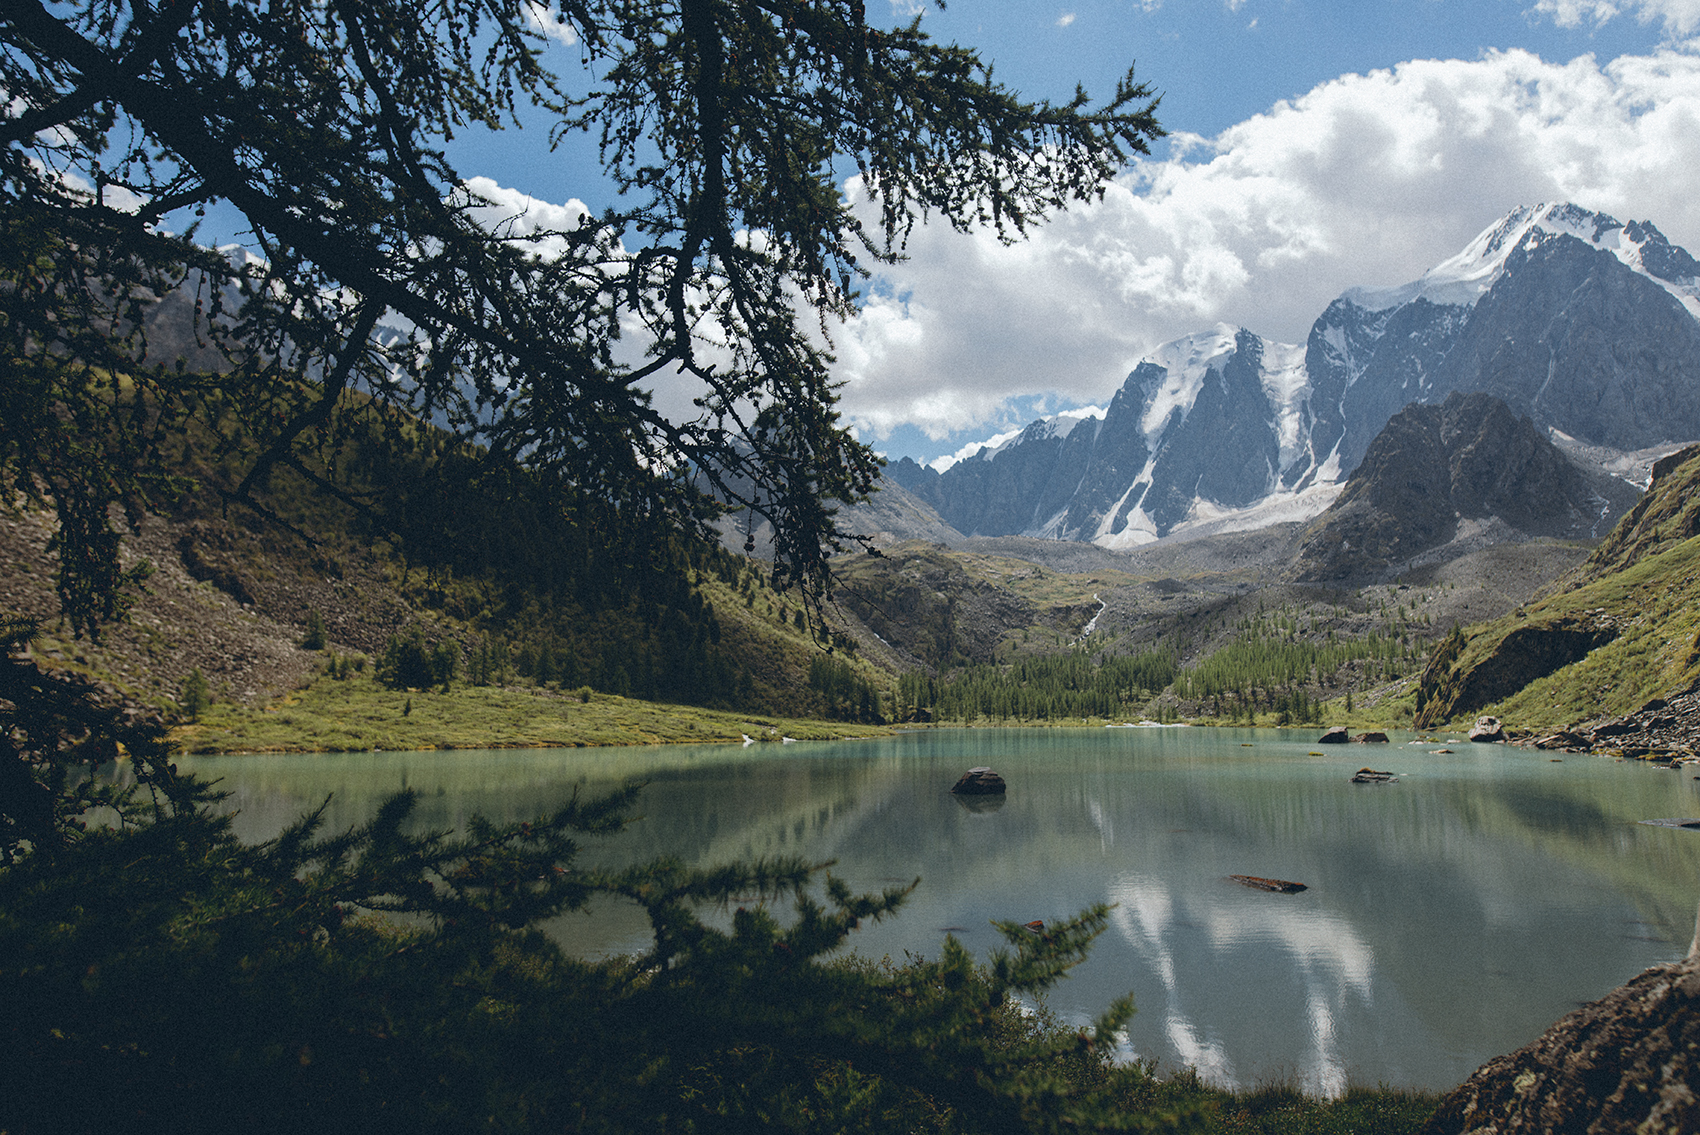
[1366, 179]
[1679, 17]
[547, 19]
[509, 212]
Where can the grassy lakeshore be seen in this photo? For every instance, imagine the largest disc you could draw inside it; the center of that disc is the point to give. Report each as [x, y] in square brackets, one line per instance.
[357, 714]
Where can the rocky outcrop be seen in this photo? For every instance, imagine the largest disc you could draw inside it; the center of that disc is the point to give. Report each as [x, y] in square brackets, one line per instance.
[980, 781]
[1665, 728]
[1487, 730]
[1627, 1063]
[1452, 685]
[924, 603]
[1433, 467]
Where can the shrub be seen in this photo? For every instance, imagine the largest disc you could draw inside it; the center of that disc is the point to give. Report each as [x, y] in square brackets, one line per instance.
[196, 696]
[317, 636]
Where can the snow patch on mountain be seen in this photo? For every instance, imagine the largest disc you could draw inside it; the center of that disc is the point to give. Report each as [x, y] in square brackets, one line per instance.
[1185, 362]
[1208, 519]
[1286, 383]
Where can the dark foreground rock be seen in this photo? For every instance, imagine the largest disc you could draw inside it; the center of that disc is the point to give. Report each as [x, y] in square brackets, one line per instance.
[1372, 776]
[1629, 1062]
[980, 781]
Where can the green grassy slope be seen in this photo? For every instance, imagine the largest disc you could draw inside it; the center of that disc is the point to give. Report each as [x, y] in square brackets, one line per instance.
[1619, 630]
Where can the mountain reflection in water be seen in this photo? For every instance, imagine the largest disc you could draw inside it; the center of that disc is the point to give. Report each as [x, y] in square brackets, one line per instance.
[1448, 917]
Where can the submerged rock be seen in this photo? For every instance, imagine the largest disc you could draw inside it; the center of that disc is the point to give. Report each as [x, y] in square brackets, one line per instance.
[980, 781]
[1279, 886]
[1372, 776]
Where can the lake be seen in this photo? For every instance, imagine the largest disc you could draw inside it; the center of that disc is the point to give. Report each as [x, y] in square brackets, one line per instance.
[1449, 916]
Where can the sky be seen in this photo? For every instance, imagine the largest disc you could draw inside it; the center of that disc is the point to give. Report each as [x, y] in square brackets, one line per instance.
[1314, 145]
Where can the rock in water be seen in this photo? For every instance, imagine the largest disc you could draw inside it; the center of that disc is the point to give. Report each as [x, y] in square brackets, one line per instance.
[1338, 735]
[1279, 886]
[980, 781]
[1373, 738]
[1629, 1062]
[1487, 729]
[1372, 776]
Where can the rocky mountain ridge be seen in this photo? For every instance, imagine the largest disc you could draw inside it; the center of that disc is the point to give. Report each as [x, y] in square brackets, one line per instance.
[1435, 471]
[1587, 326]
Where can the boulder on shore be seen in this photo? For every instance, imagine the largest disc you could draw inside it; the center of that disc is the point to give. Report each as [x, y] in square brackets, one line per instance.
[1487, 729]
[1625, 1063]
[980, 781]
[1338, 735]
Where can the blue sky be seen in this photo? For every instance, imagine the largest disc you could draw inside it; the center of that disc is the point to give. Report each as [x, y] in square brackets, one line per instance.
[1215, 62]
[1218, 63]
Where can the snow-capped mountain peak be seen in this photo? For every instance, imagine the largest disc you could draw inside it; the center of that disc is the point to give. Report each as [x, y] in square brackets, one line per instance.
[1466, 277]
[1177, 370]
[1058, 425]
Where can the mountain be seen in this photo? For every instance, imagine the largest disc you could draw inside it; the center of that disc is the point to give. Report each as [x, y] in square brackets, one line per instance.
[1587, 326]
[1434, 473]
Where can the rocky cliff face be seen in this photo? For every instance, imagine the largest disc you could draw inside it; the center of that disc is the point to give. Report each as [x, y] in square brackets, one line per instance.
[924, 604]
[1543, 645]
[1432, 468]
[1582, 324]
[1573, 338]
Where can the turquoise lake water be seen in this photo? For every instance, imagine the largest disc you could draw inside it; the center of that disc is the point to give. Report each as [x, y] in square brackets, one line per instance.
[1448, 917]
